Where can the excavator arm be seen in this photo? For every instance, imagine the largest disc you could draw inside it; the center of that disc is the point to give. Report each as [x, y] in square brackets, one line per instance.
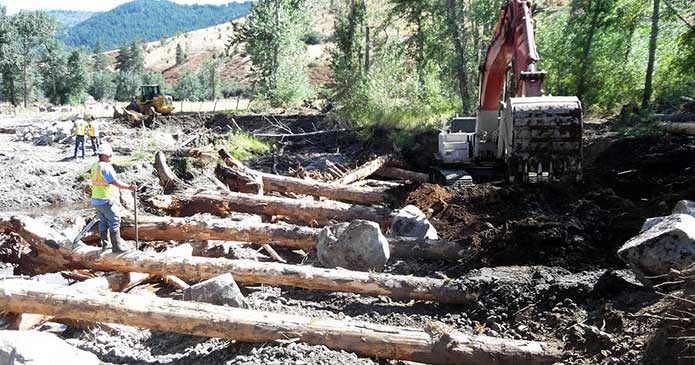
[535, 135]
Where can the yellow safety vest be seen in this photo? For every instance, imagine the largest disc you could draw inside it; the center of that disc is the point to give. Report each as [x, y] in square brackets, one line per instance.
[93, 130]
[80, 127]
[100, 188]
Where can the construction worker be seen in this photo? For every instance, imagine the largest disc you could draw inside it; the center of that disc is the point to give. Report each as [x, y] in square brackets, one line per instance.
[79, 128]
[93, 133]
[105, 198]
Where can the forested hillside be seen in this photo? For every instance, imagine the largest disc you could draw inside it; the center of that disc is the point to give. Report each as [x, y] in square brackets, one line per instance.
[68, 18]
[148, 20]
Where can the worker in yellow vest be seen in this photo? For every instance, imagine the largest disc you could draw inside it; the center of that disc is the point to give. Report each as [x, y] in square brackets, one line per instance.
[93, 133]
[105, 199]
[79, 128]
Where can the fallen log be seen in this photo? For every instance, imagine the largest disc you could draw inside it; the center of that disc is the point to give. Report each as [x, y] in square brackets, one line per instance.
[287, 184]
[309, 211]
[302, 135]
[153, 228]
[685, 128]
[201, 319]
[363, 171]
[401, 174]
[240, 180]
[57, 252]
[167, 179]
[115, 282]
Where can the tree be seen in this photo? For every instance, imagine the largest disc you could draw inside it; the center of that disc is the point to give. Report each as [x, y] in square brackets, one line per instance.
[458, 37]
[102, 86]
[7, 56]
[137, 58]
[31, 29]
[53, 69]
[180, 55]
[188, 86]
[272, 36]
[77, 81]
[124, 59]
[209, 77]
[652, 54]
[101, 63]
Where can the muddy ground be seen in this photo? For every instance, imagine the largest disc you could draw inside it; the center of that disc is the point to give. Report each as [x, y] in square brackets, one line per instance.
[542, 257]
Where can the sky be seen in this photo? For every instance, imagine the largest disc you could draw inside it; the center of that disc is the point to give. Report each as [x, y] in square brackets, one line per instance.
[14, 6]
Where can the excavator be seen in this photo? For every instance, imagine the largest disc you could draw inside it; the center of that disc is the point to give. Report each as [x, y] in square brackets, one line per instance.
[527, 137]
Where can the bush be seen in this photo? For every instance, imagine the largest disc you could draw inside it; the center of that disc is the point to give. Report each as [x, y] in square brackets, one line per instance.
[312, 38]
[244, 146]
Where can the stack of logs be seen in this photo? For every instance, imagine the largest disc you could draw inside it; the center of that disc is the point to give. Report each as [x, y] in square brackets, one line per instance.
[241, 189]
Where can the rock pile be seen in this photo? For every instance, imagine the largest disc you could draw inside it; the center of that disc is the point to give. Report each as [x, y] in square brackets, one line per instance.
[46, 133]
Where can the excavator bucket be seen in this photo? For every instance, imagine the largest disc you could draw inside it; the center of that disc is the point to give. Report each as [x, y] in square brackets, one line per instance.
[542, 138]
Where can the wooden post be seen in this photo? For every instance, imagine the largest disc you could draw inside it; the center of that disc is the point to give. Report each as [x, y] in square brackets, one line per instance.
[432, 346]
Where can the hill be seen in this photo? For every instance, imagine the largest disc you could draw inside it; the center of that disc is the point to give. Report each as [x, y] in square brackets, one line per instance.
[148, 20]
[68, 18]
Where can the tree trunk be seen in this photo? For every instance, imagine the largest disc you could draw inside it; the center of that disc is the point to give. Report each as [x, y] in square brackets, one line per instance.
[287, 184]
[459, 47]
[652, 54]
[435, 345]
[116, 282]
[397, 173]
[586, 52]
[363, 171]
[25, 83]
[240, 180]
[55, 252]
[152, 228]
[311, 212]
[169, 182]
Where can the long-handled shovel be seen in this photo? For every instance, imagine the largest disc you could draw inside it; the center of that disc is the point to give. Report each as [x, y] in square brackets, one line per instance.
[137, 240]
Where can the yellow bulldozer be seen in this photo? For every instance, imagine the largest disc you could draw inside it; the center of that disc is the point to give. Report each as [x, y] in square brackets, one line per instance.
[151, 101]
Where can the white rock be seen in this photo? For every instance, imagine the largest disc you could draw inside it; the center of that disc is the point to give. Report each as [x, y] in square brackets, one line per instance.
[684, 207]
[358, 245]
[651, 222]
[669, 244]
[410, 221]
[40, 348]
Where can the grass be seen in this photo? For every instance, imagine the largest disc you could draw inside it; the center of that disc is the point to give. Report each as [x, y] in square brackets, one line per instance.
[243, 146]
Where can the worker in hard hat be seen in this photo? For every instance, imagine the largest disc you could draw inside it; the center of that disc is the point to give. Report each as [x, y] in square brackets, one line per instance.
[93, 133]
[79, 128]
[105, 198]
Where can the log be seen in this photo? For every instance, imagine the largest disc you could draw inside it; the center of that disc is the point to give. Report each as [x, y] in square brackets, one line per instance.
[57, 253]
[302, 135]
[308, 211]
[687, 129]
[153, 228]
[114, 281]
[287, 184]
[363, 171]
[240, 180]
[433, 345]
[401, 174]
[167, 179]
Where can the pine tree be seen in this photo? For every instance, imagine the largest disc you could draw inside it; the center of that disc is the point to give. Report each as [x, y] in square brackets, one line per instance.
[76, 73]
[137, 58]
[180, 55]
[124, 59]
[100, 61]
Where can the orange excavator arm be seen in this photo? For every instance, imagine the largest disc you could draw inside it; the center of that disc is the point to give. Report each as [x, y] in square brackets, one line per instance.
[514, 41]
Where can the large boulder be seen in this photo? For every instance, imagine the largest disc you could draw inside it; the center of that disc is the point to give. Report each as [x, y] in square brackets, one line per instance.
[358, 245]
[39, 348]
[669, 244]
[684, 207]
[220, 290]
[651, 222]
[410, 221]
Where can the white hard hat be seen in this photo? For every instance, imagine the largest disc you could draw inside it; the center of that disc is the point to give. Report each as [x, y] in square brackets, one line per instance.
[105, 149]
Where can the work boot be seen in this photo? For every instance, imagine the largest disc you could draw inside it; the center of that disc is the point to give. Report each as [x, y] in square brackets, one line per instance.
[119, 246]
[105, 243]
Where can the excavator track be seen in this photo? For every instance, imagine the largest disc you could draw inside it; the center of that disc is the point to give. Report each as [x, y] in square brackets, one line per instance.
[546, 138]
